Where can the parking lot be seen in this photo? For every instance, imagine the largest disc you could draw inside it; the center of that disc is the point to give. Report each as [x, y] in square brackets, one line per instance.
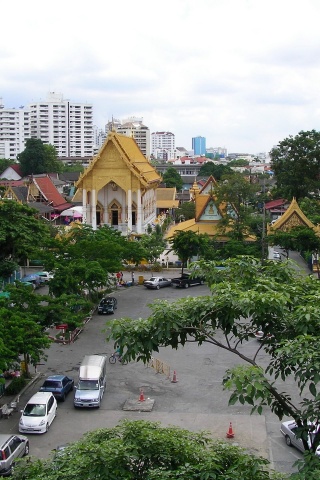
[196, 401]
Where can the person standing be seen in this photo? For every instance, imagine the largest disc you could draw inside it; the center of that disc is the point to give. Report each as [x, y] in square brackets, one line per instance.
[132, 278]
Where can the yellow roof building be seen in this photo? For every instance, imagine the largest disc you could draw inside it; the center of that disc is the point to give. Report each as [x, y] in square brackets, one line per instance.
[119, 187]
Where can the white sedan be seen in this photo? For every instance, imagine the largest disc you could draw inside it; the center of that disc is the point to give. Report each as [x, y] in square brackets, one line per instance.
[289, 430]
[157, 282]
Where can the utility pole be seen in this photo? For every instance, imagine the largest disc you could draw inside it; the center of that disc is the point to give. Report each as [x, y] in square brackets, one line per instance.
[263, 235]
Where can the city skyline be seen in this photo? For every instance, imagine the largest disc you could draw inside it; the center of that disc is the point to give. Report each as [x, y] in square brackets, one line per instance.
[241, 73]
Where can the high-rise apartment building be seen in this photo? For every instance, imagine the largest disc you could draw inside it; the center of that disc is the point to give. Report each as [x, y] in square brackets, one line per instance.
[133, 127]
[163, 145]
[14, 131]
[199, 145]
[66, 125]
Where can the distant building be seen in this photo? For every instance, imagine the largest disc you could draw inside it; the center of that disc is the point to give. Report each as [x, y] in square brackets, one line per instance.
[65, 125]
[216, 152]
[199, 145]
[14, 131]
[133, 127]
[163, 145]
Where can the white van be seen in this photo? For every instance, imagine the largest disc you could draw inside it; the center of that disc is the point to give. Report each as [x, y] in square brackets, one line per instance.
[92, 381]
[38, 414]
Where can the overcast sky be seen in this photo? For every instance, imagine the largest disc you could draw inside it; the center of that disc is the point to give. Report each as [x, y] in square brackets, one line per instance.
[242, 73]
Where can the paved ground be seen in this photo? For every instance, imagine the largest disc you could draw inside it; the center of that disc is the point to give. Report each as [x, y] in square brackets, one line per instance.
[196, 401]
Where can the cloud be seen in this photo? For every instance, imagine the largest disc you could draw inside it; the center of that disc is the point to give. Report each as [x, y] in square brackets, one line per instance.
[242, 73]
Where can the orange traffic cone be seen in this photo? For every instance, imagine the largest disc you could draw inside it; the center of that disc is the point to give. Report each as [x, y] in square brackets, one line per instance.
[174, 377]
[141, 398]
[230, 432]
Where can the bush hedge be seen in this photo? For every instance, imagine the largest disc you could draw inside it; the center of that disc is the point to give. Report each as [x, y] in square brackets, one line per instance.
[15, 386]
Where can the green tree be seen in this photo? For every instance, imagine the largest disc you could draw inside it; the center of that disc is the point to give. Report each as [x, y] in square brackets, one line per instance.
[246, 296]
[238, 162]
[21, 233]
[5, 163]
[153, 243]
[186, 244]
[216, 171]
[186, 211]
[147, 451]
[171, 178]
[38, 157]
[311, 208]
[296, 164]
[237, 193]
[22, 324]
[283, 239]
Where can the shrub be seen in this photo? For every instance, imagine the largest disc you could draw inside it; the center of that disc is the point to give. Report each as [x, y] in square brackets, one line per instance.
[15, 386]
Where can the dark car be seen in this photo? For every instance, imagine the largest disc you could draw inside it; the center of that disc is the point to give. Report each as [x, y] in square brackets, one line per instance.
[59, 385]
[107, 305]
[157, 282]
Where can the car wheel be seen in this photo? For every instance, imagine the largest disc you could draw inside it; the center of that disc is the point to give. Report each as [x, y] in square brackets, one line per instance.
[47, 427]
[27, 449]
[186, 285]
[157, 287]
[63, 397]
[288, 441]
[72, 387]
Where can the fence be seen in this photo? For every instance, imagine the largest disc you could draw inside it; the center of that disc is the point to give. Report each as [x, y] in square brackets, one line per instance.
[159, 366]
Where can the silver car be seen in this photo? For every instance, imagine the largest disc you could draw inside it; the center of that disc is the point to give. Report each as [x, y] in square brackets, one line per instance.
[157, 282]
[288, 430]
[11, 448]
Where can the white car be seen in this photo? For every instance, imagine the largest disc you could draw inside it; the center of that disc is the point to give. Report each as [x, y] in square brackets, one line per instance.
[288, 430]
[157, 282]
[276, 256]
[38, 414]
[45, 276]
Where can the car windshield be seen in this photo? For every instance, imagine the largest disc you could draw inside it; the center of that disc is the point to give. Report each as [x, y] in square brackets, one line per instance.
[153, 279]
[51, 384]
[88, 385]
[35, 410]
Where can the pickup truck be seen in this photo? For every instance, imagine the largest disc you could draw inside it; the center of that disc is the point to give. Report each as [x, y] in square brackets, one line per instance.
[186, 281]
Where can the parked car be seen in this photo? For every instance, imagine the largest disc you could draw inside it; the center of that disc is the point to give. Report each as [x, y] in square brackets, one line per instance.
[33, 278]
[11, 447]
[157, 282]
[288, 430]
[186, 280]
[46, 276]
[38, 414]
[276, 256]
[107, 305]
[59, 385]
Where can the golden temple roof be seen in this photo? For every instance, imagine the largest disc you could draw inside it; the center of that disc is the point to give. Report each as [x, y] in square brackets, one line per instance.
[125, 148]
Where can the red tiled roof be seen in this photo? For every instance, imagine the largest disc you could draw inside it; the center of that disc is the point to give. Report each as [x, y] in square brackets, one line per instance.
[11, 183]
[275, 203]
[16, 168]
[50, 192]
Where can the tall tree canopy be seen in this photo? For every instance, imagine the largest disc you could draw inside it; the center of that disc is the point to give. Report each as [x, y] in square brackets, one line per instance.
[5, 163]
[21, 233]
[246, 296]
[172, 178]
[217, 171]
[296, 164]
[236, 191]
[145, 450]
[38, 157]
[186, 244]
